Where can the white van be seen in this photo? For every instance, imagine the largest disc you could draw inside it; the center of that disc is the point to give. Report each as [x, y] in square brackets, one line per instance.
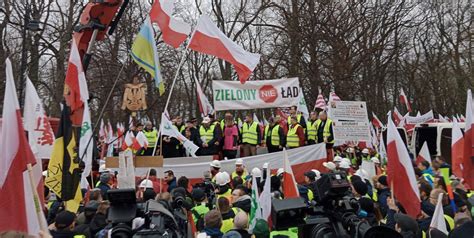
[438, 137]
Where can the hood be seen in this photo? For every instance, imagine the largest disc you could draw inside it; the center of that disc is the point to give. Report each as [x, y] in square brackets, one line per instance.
[242, 198]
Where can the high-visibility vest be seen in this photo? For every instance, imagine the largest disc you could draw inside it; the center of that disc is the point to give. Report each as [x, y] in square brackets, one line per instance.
[367, 158]
[249, 133]
[429, 178]
[312, 130]
[289, 233]
[243, 176]
[199, 212]
[275, 136]
[292, 139]
[206, 134]
[449, 221]
[228, 224]
[151, 137]
[227, 195]
[327, 128]
[183, 127]
[298, 119]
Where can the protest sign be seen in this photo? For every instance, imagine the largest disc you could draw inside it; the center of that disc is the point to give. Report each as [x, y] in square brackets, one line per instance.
[232, 95]
[351, 131]
[348, 110]
[420, 119]
[350, 120]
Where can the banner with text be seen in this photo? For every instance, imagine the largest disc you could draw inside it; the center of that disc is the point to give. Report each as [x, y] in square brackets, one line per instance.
[350, 120]
[420, 119]
[232, 95]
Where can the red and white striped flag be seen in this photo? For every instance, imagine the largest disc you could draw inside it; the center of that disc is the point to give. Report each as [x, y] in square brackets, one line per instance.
[401, 174]
[424, 154]
[467, 163]
[320, 102]
[209, 39]
[17, 204]
[204, 106]
[404, 100]
[333, 97]
[457, 149]
[289, 182]
[174, 32]
[397, 116]
[376, 121]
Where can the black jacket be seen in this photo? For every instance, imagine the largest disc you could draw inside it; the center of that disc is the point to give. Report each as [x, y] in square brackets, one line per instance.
[244, 202]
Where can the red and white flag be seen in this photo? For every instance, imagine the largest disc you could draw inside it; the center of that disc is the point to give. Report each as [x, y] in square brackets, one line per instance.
[209, 39]
[289, 182]
[320, 102]
[333, 97]
[441, 118]
[174, 31]
[72, 92]
[404, 100]
[437, 220]
[204, 106]
[142, 140]
[401, 174]
[135, 142]
[467, 164]
[102, 131]
[397, 116]
[376, 121]
[17, 206]
[424, 154]
[457, 149]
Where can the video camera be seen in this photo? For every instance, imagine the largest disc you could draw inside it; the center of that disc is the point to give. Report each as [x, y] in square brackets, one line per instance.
[333, 213]
[159, 218]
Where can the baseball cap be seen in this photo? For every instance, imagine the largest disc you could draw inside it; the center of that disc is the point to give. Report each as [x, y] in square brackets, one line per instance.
[64, 219]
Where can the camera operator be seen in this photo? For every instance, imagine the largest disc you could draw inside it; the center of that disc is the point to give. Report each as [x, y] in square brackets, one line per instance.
[200, 208]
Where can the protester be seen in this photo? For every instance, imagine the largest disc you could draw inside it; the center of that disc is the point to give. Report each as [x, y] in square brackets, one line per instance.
[251, 136]
[64, 225]
[170, 180]
[200, 208]
[295, 137]
[212, 224]
[104, 185]
[215, 167]
[209, 138]
[152, 136]
[240, 170]
[231, 139]
[241, 221]
[299, 117]
[241, 199]
[325, 132]
[275, 138]
[311, 130]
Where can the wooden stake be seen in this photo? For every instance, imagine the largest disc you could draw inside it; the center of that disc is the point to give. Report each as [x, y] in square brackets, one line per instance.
[36, 200]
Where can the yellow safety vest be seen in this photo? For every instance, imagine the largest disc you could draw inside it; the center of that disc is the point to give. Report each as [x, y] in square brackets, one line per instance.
[249, 133]
[450, 222]
[290, 233]
[151, 136]
[201, 210]
[227, 195]
[275, 136]
[228, 224]
[312, 130]
[298, 118]
[327, 127]
[244, 175]
[183, 127]
[206, 134]
[292, 139]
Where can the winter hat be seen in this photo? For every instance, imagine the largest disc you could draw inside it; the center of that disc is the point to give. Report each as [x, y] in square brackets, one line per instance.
[406, 223]
[360, 187]
[383, 180]
[311, 175]
[261, 229]
[198, 194]
[64, 219]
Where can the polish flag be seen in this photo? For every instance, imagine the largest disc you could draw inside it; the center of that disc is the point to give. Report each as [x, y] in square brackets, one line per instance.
[457, 149]
[424, 154]
[174, 32]
[441, 118]
[135, 142]
[17, 204]
[320, 102]
[401, 174]
[102, 131]
[397, 116]
[204, 106]
[72, 94]
[208, 39]
[467, 164]
[437, 220]
[376, 121]
[142, 140]
[404, 100]
[289, 183]
[333, 97]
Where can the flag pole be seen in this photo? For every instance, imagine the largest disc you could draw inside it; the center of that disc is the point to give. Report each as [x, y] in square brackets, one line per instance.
[36, 200]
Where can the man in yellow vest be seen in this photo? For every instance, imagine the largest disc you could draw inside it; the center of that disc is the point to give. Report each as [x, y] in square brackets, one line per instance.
[180, 126]
[275, 138]
[152, 136]
[209, 138]
[295, 137]
[324, 133]
[240, 170]
[311, 130]
[251, 136]
[299, 117]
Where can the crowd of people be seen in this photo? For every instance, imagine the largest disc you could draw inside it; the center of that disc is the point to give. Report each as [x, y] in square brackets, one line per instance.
[229, 136]
[221, 203]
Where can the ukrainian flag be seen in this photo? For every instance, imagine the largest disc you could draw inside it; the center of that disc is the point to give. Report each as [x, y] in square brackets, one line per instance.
[145, 54]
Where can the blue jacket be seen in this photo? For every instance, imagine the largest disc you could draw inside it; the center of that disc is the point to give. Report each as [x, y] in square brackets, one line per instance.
[382, 196]
[429, 170]
[171, 185]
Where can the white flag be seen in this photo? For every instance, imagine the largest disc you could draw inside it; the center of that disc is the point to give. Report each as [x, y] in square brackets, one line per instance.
[85, 150]
[437, 221]
[167, 129]
[265, 199]
[40, 133]
[302, 107]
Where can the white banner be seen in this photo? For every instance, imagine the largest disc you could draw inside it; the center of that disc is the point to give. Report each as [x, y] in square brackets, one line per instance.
[351, 131]
[232, 95]
[348, 110]
[420, 119]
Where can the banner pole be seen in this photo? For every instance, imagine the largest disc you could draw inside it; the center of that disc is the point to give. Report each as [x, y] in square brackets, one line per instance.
[36, 200]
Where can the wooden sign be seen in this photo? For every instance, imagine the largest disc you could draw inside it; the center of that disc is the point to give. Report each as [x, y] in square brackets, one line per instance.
[139, 162]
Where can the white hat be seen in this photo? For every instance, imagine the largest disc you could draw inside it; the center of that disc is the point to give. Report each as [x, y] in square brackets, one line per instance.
[215, 164]
[239, 162]
[103, 169]
[362, 173]
[347, 160]
[318, 174]
[329, 165]
[344, 165]
[146, 183]
[375, 160]
[350, 150]
[256, 172]
[337, 158]
[222, 178]
[280, 171]
[206, 120]
[365, 151]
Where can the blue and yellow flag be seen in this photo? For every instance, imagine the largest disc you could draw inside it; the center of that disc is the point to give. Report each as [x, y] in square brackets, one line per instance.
[145, 54]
